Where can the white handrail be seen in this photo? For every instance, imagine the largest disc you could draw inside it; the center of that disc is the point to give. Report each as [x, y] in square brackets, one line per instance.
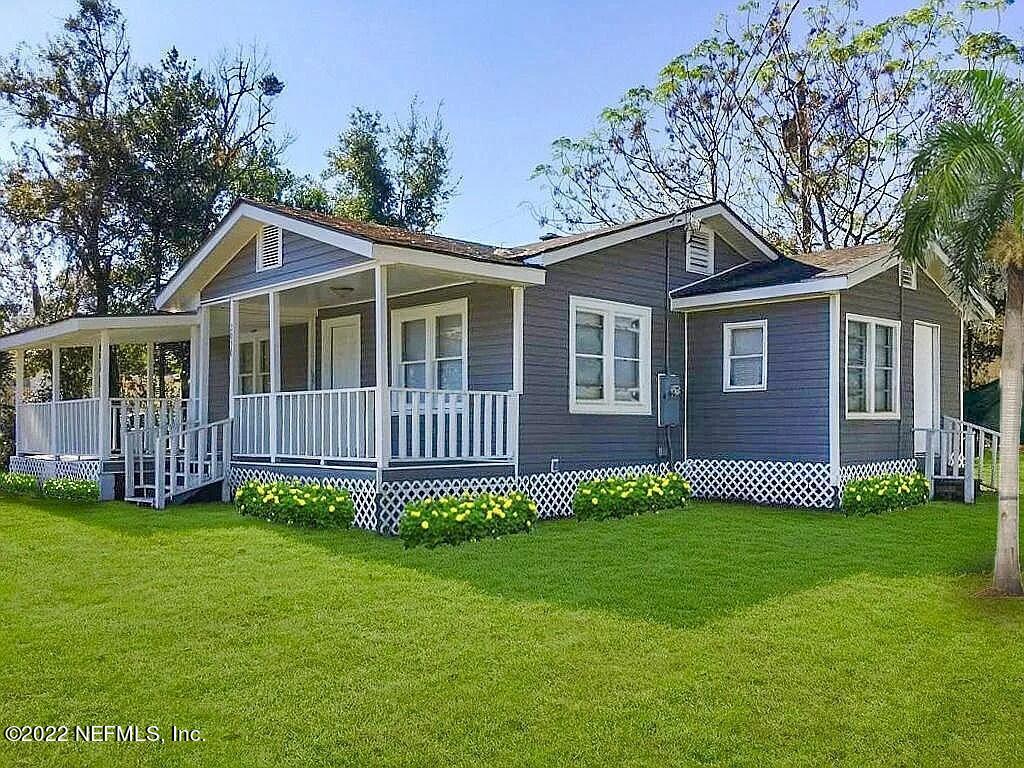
[454, 424]
[187, 459]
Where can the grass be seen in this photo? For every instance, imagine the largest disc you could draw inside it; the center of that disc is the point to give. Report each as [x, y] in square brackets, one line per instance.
[721, 634]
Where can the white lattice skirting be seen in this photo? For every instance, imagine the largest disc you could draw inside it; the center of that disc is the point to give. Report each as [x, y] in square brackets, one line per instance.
[876, 469]
[796, 484]
[44, 469]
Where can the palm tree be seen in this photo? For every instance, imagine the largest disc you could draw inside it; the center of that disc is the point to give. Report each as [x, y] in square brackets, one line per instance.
[967, 192]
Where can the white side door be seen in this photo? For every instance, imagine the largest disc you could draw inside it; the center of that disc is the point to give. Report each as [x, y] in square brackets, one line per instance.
[926, 381]
[340, 353]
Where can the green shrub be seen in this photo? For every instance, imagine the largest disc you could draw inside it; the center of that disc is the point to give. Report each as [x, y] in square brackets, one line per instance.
[18, 483]
[631, 495]
[873, 495]
[294, 503]
[71, 490]
[454, 519]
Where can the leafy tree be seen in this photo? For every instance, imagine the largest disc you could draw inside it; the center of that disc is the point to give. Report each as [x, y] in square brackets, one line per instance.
[398, 174]
[967, 192]
[806, 119]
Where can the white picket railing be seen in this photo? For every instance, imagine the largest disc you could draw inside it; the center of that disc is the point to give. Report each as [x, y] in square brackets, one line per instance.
[33, 427]
[146, 414]
[986, 448]
[963, 451]
[182, 460]
[324, 425]
[62, 428]
[442, 424]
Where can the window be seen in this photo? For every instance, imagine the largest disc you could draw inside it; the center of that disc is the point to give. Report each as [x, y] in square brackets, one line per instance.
[254, 365]
[745, 356]
[428, 346]
[908, 276]
[609, 357]
[872, 368]
[268, 248]
[700, 252]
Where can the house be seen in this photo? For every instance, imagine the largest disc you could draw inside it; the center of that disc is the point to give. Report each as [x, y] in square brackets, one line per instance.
[399, 363]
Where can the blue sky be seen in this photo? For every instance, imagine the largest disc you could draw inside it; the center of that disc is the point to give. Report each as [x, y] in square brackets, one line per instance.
[513, 76]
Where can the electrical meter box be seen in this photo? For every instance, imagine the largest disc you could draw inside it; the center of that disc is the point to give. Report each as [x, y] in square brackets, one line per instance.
[670, 400]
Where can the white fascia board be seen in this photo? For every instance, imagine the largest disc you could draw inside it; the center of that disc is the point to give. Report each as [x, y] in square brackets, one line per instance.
[53, 333]
[327, 235]
[651, 228]
[513, 274]
[769, 293]
[873, 269]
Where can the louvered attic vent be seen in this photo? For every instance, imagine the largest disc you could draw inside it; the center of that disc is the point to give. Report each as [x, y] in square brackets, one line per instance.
[700, 252]
[908, 276]
[268, 248]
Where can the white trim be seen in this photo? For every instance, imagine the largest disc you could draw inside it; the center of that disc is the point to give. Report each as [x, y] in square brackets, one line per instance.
[641, 229]
[298, 282]
[811, 288]
[204, 364]
[834, 320]
[52, 333]
[429, 314]
[608, 309]
[516, 274]
[686, 385]
[321, 307]
[961, 367]
[327, 353]
[232, 356]
[382, 424]
[869, 376]
[518, 338]
[936, 370]
[311, 352]
[727, 356]
[688, 264]
[246, 210]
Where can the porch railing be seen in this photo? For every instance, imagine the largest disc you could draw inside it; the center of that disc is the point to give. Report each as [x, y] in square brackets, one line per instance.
[960, 450]
[323, 424]
[61, 428]
[128, 414]
[182, 460]
[442, 424]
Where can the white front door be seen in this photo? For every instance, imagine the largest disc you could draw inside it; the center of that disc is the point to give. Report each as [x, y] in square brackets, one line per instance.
[926, 381]
[340, 348]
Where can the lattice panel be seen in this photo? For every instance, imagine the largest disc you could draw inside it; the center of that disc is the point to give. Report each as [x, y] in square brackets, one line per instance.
[363, 492]
[875, 469]
[44, 469]
[394, 495]
[785, 483]
[553, 491]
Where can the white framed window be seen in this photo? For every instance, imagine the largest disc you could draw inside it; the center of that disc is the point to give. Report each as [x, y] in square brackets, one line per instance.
[429, 346]
[745, 356]
[908, 275]
[268, 248]
[609, 357]
[254, 363]
[872, 368]
[700, 252]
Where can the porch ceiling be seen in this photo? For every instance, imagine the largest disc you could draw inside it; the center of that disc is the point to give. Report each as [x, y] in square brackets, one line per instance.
[85, 331]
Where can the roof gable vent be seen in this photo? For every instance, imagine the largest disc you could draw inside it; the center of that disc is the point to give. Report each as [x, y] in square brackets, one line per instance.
[908, 275]
[700, 252]
[268, 248]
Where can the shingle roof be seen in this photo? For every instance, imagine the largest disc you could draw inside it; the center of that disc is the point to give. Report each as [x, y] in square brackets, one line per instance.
[379, 233]
[803, 267]
[554, 243]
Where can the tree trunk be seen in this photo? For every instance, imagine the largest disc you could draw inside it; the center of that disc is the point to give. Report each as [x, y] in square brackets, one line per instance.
[1006, 578]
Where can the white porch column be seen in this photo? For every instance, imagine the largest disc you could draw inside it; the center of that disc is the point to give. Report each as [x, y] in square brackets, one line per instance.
[382, 420]
[95, 370]
[103, 393]
[311, 353]
[203, 379]
[232, 356]
[275, 371]
[193, 370]
[19, 394]
[518, 338]
[54, 396]
[150, 356]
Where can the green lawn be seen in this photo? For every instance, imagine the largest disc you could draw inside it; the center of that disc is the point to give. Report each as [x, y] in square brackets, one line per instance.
[722, 634]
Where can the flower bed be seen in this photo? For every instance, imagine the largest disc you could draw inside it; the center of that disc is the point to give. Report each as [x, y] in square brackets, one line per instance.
[873, 495]
[18, 483]
[71, 490]
[623, 496]
[454, 519]
[294, 503]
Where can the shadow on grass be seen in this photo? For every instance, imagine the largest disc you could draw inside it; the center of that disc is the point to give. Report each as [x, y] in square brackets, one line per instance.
[679, 568]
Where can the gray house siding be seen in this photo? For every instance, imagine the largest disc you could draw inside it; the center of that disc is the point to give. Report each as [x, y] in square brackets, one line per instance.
[881, 440]
[789, 419]
[632, 273]
[300, 257]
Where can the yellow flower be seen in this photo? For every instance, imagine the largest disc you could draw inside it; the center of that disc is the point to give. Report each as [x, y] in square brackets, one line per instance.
[424, 524]
[330, 508]
[414, 513]
[593, 501]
